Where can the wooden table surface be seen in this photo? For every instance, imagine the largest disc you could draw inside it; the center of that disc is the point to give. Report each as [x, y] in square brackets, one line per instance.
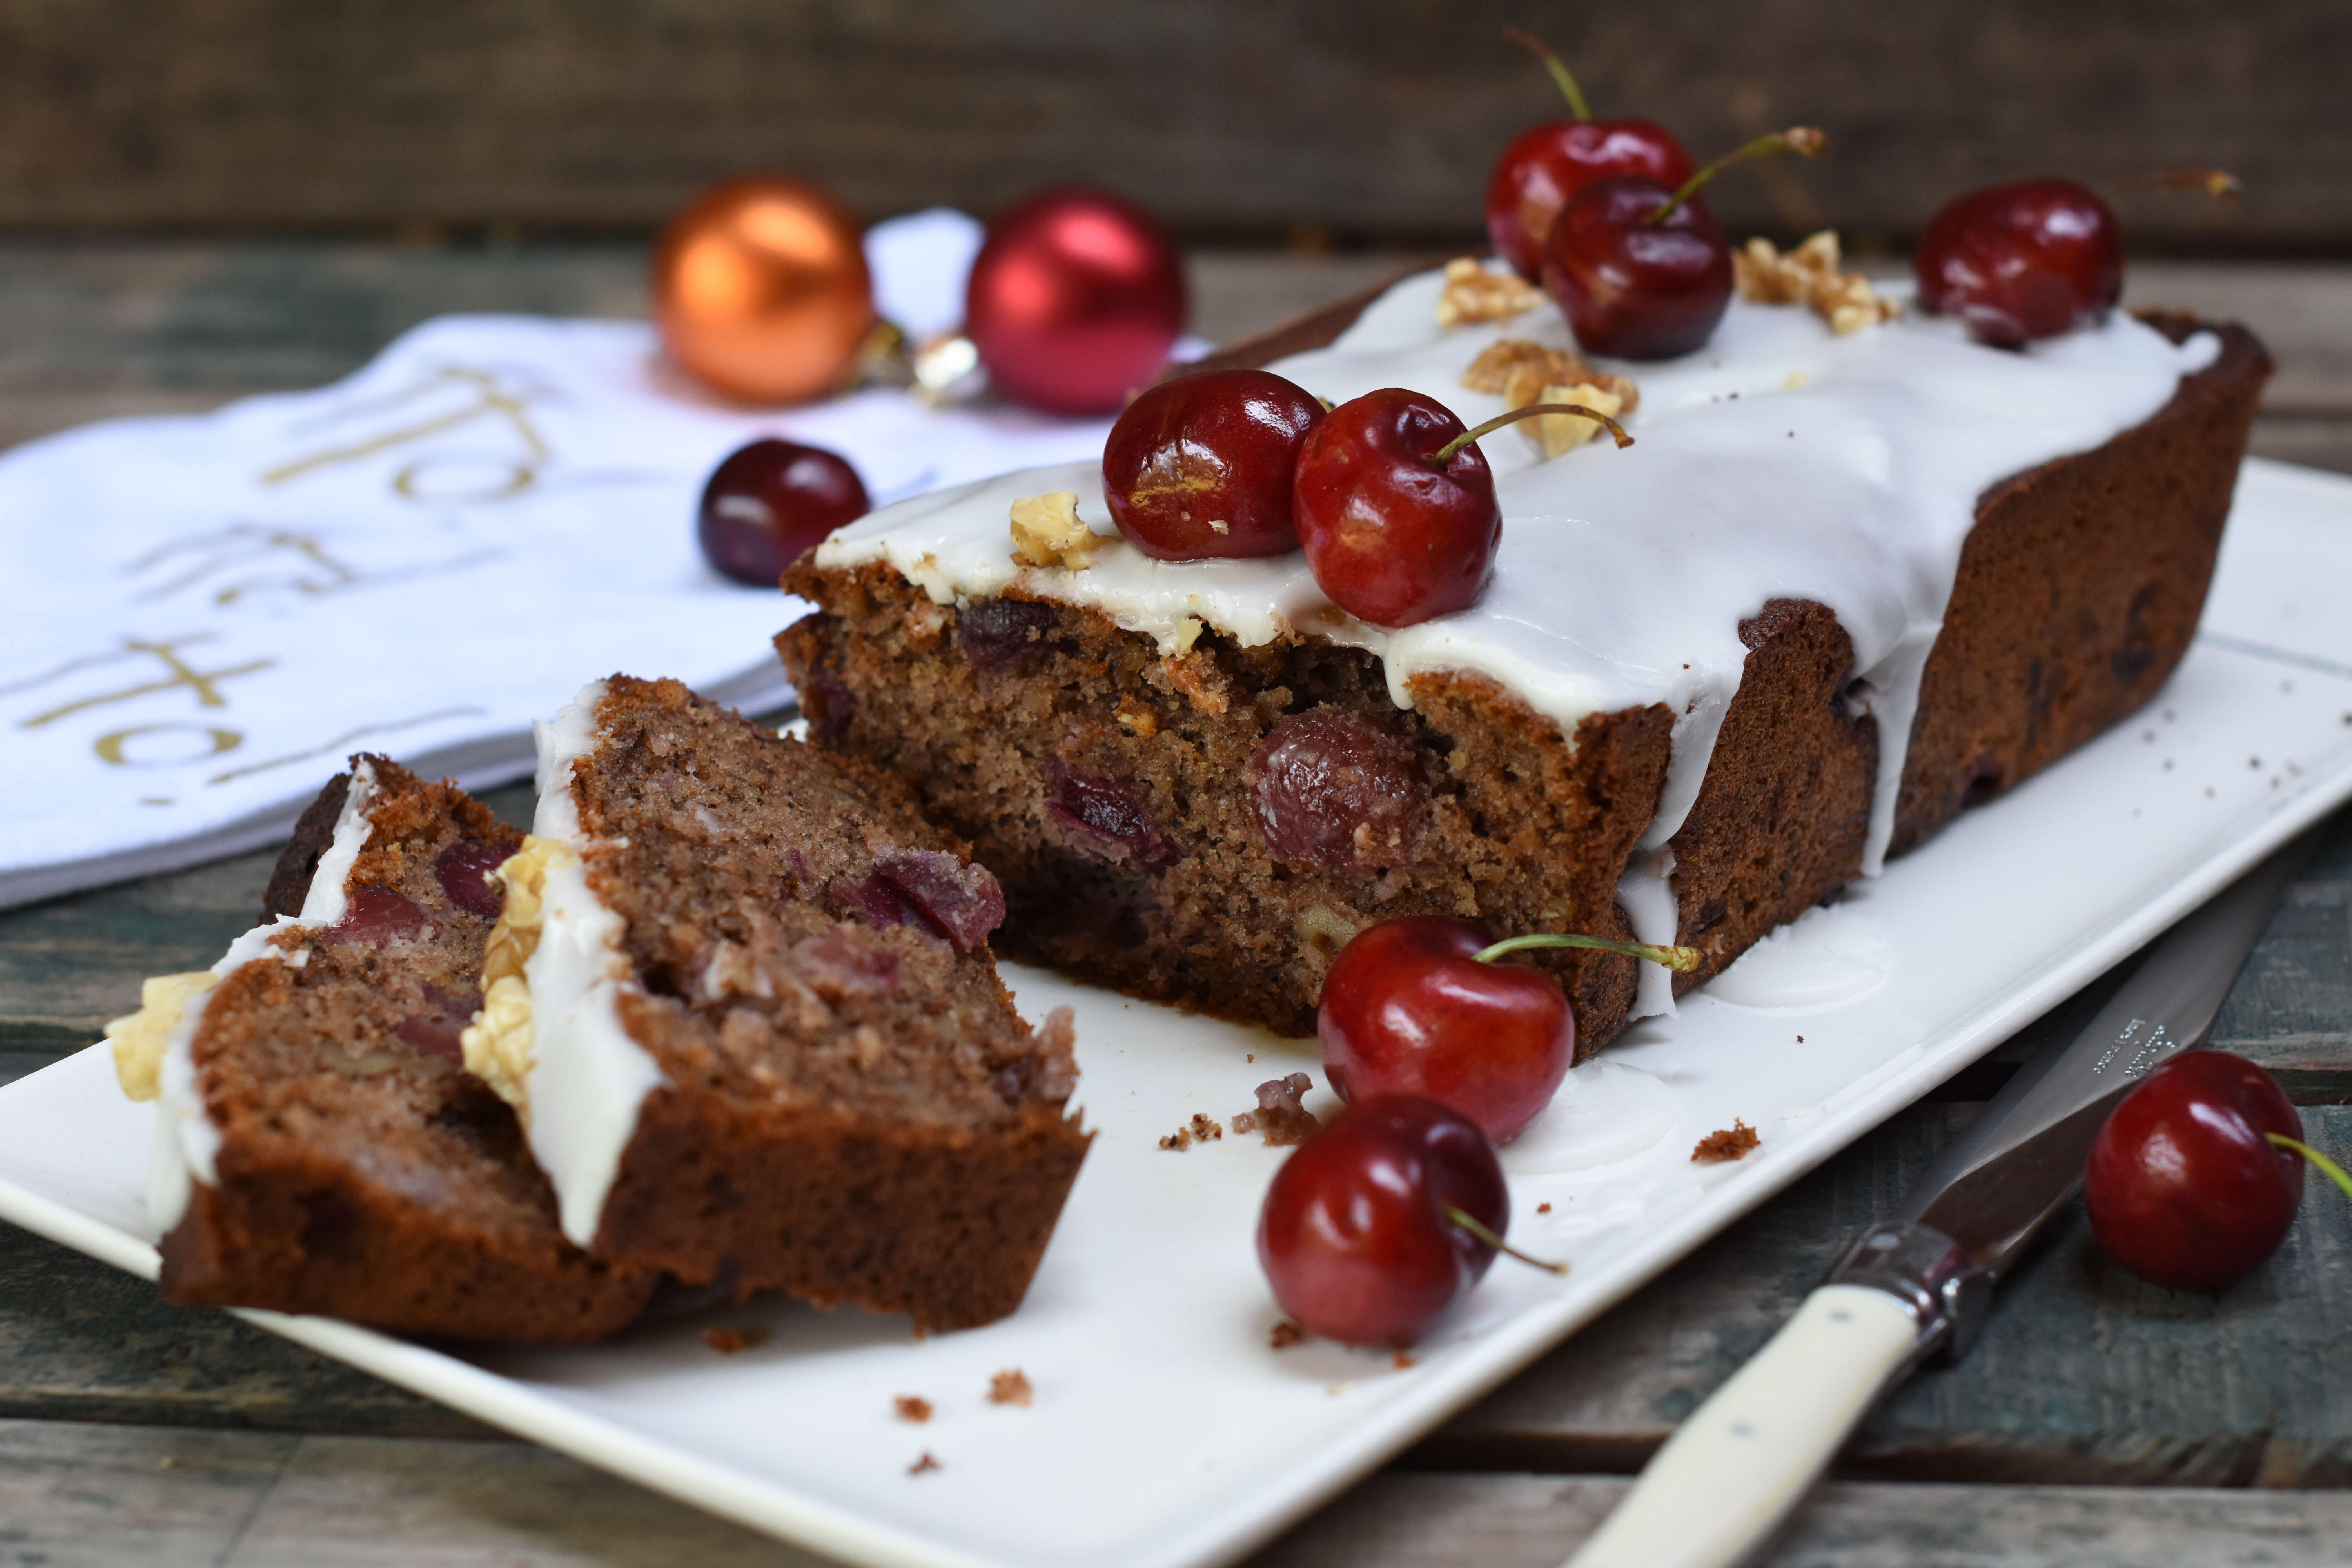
[2100, 1420]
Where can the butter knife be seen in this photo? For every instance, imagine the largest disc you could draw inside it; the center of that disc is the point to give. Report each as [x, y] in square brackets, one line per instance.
[1920, 1285]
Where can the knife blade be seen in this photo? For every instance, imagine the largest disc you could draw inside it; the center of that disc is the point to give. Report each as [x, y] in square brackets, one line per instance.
[1921, 1284]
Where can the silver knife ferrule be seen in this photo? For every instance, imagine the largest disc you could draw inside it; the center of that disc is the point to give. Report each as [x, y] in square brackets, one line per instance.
[1945, 1292]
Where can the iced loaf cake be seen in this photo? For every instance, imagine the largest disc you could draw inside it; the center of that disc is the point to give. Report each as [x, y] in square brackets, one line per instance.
[1841, 586]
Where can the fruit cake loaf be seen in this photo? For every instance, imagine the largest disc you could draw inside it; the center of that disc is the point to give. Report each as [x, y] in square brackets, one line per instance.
[1665, 718]
[321, 1150]
[743, 999]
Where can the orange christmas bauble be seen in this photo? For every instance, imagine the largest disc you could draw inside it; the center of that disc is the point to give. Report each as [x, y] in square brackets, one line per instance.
[760, 288]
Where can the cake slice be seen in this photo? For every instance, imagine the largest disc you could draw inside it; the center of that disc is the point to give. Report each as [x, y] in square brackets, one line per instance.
[320, 1148]
[743, 999]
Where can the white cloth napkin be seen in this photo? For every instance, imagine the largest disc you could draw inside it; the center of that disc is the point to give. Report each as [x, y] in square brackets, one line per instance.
[201, 616]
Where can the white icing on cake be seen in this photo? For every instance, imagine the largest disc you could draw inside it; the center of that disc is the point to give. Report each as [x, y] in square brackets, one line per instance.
[186, 1141]
[587, 1077]
[1780, 461]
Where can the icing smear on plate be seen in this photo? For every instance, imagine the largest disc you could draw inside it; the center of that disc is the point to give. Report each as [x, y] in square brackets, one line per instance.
[1780, 461]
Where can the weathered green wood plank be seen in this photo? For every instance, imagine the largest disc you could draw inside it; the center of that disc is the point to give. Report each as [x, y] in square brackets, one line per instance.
[139, 1497]
[2084, 1374]
[1226, 114]
[81, 1342]
[1404, 1521]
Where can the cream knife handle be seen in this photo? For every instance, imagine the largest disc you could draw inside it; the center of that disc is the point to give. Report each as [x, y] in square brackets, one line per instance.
[1741, 1461]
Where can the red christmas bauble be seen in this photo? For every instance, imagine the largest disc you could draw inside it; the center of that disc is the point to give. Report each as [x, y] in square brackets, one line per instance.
[1075, 300]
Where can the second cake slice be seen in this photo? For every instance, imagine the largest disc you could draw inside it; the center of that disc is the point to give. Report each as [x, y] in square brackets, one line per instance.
[742, 997]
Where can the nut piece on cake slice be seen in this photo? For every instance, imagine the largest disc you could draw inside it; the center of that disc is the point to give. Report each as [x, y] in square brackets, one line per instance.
[743, 1000]
[322, 1150]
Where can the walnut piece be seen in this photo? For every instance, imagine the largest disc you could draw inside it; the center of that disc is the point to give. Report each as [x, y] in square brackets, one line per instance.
[1558, 432]
[1474, 294]
[1500, 360]
[1047, 531]
[1809, 275]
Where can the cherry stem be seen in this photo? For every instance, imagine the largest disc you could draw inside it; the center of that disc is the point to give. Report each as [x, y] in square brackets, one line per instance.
[2328, 1168]
[1447, 453]
[1542, 51]
[2219, 184]
[1682, 958]
[1498, 1244]
[1801, 139]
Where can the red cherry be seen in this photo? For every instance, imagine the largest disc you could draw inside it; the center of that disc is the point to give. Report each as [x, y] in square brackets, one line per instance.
[1075, 300]
[2022, 261]
[2182, 1187]
[1633, 284]
[1201, 467]
[1549, 163]
[770, 501]
[376, 914]
[1391, 539]
[464, 869]
[1408, 1009]
[1396, 508]
[1358, 1235]
[1642, 271]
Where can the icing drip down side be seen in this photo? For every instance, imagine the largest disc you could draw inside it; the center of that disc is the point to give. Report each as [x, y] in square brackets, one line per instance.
[549, 1036]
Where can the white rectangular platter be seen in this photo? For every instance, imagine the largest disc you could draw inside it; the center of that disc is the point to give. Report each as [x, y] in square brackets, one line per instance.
[1165, 1429]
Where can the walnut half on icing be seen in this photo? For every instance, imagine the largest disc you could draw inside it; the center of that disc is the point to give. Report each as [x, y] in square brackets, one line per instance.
[1048, 531]
[1474, 294]
[1810, 276]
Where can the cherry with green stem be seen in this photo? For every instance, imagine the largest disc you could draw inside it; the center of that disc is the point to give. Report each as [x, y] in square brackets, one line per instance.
[1395, 506]
[1640, 269]
[1423, 1004]
[1547, 164]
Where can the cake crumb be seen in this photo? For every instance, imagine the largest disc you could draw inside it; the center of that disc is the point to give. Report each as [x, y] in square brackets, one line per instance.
[1810, 276]
[1048, 531]
[1205, 1128]
[912, 1408]
[1010, 1386]
[1180, 1139]
[728, 1341]
[1245, 1123]
[1404, 1360]
[1279, 1118]
[925, 1463]
[1543, 1208]
[1285, 1334]
[1474, 294]
[1249, 1056]
[1729, 1143]
[1138, 718]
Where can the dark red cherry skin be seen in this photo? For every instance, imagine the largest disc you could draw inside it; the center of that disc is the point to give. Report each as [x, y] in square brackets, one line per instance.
[376, 914]
[2181, 1186]
[772, 500]
[1198, 468]
[1354, 1235]
[1548, 163]
[1631, 287]
[464, 869]
[1408, 1009]
[2021, 262]
[1389, 539]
